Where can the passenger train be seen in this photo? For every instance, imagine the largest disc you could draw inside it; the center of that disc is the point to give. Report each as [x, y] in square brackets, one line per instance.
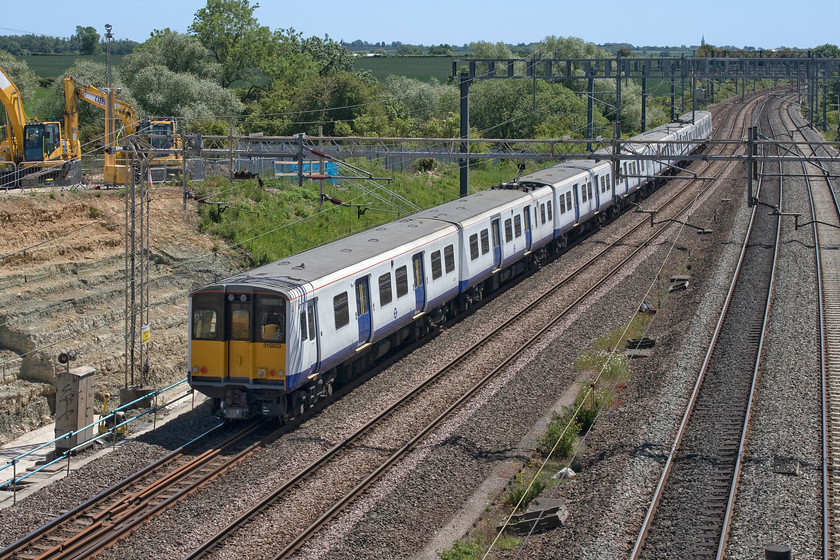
[274, 340]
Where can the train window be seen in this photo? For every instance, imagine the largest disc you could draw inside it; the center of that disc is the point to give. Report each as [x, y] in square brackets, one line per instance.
[272, 314]
[608, 181]
[449, 258]
[341, 310]
[589, 189]
[437, 269]
[303, 335]
[240, 321]
[562, 204]
[508, 231]
[401, 276]
[362, 302]
[207, 313]
[310, 311]
[542, 213]
[548, 207]
[526, 216]
[485, 242]
[568, 204]
[473, 246]
[385, 289]
[517, 226]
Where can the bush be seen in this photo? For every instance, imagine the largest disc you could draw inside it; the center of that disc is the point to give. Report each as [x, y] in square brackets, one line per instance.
[523, 493]
[424, 165]
[588, 403]
[560, 436]
[462, 550]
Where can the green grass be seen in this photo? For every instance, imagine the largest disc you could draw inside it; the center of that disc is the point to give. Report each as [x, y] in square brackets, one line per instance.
[283, 219]
[420, 67]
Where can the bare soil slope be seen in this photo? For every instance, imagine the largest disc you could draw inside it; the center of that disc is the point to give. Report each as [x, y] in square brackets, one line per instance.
[67, 291]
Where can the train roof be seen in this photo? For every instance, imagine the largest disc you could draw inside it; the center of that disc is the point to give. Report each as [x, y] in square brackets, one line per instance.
[319, 262]
[560, 172]
[464, 209]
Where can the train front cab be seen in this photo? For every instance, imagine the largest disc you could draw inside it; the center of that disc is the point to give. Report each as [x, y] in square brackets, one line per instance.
[238, 350]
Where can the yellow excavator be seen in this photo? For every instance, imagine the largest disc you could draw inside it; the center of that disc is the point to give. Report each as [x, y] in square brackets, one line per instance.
[158, 134]
[35, 152]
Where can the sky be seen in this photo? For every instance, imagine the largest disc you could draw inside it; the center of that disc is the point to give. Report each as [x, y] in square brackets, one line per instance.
[763, 24]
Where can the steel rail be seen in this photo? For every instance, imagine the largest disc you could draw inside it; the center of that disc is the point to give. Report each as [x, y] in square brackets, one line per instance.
[101, 521]
[826, 518]
[666, 471]
[8, 552]
[730, 505]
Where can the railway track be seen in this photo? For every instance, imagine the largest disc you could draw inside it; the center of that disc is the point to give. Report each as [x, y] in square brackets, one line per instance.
[364, 444]
[115, 512]
[825, 218]
[691, 508]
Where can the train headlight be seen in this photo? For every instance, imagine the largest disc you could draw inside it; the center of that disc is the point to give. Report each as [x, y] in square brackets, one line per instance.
[260, 373]
[195, 369]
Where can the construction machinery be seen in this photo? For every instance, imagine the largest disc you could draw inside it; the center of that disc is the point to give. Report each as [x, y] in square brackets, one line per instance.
[113, 420]
[149, 135]
[35, 152]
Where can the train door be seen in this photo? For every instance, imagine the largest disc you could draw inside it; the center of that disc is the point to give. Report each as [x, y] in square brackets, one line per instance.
[363, 309]
[497, 242]
[419, 284]
[310, 349]
[239, 327]
[526, 217]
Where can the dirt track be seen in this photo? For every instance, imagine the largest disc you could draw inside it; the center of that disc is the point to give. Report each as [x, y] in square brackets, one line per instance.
[69, 292]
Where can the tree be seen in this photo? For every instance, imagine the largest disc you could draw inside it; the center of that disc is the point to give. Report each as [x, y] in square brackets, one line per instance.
[329, 55]
[88, 40]
[176, 51]
[828, 50]
[409, 49]
[233, 36]
[441, 50]
[172, 74]
[18, 70]
[483, 49]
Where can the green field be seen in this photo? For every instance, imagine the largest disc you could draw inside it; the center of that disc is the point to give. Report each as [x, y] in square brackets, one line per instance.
[420, 67]
[54, 65]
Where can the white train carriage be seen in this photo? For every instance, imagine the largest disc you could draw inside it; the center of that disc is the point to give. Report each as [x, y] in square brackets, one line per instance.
[274, 331]
[272, 340]
[496, 231]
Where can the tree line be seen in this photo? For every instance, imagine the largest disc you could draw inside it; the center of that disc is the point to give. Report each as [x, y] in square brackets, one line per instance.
[228, 70]
[85, 41]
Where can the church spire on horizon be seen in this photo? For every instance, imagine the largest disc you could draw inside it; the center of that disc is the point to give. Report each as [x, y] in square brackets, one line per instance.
[702, 40]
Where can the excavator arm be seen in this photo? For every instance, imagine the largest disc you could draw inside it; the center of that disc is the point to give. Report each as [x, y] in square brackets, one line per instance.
[86, 92]
[11, 149]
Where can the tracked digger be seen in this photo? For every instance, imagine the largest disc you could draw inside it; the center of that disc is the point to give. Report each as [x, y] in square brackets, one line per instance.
[34, 152]
[148, 134]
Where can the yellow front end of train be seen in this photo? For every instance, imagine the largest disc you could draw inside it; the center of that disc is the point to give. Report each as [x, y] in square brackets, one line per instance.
[238, 349]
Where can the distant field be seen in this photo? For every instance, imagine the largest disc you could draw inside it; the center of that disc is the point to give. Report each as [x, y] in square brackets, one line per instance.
[54, 65]
[420, 67]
